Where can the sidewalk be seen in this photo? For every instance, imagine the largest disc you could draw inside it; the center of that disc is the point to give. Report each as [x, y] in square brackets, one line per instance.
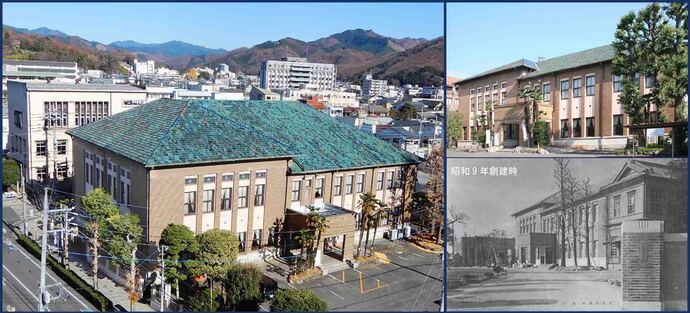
[12, 214]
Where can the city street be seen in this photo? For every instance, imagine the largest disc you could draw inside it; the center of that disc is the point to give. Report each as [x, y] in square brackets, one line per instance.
[535, 290]
[411, 281]
[21, 275]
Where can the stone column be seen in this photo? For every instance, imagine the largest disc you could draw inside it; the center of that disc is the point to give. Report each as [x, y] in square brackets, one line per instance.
[641, 258]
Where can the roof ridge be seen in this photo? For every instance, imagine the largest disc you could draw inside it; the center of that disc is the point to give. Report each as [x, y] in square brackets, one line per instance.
[167, 133]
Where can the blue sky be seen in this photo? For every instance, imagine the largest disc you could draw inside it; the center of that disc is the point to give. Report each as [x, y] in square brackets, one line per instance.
[481, 36]
[226, 25]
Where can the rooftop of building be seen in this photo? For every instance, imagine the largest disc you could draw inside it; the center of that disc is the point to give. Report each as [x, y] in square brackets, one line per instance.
[169, 132]
[548, 66]
[42, 86]
[265, 91]
[39, 63]
[326, 210]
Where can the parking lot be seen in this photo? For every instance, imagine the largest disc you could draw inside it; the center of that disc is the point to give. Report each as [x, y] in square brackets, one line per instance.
[410, 280]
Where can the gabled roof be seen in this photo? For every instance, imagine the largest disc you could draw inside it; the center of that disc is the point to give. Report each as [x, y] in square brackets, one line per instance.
[170, 132]
[574, 60]
[636, 168]
[512, 65]
[547, 202]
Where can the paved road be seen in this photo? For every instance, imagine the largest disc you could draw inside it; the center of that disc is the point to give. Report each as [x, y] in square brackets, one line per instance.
[537, 290]
[21, 272]
[412, 281]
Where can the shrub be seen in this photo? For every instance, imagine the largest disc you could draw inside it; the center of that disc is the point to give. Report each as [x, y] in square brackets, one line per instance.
[294, 300]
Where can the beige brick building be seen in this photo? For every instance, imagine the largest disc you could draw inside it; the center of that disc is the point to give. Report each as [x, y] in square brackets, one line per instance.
[243, 166]
[580, 100]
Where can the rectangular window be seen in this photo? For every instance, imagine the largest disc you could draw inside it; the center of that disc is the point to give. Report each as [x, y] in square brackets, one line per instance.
[389, 180]
[564, 89]
[261, 174]
[631, 202]
[472, 104]
[617, 84]
[62, 147]
[41, 147]
[379, 181]
[42, 174]
[590, 126]
[227, 177]
[577, 87]
[616, 205]
[226, 199]
[337, 181]
[319, 188]
[18, 119]
[242, 238]
[594, 213]
[244, 176]
[577, 127]
[348, 184]
[189, 202]
[510, 131]
[256, 239]
[259, 196]
[649, 81]
[565, 130]
[190, 181]
[209, 179]
[504, 85]
[504, 97]
[90, 111]
[546, 92]
[618, 125]
[636, 80]
[590, 81]
[399, 179]
[62, 171]
[360, 183]
[55, 113]
[242, 197]
[296, 189]
[208, 200]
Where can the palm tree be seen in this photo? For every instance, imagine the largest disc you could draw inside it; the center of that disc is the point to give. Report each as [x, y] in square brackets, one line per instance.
[377, 216]
[304, 237]
[318, 223]
[368, 204]
[531, 96]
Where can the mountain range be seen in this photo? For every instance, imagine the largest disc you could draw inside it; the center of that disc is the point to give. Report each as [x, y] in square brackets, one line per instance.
[399, 60]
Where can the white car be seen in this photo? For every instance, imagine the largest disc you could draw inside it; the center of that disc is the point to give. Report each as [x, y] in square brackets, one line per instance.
[9, 194]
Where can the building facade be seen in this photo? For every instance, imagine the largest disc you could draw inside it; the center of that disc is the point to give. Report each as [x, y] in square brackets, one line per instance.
[641, 191]
[25, 70]
[297, 73]
[373, 87]
[252, 164]
[579, 102]
[46, 153]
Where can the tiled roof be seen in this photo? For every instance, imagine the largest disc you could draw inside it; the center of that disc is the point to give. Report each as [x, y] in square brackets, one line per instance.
[574, 60]
[511, 65]
[175, 132]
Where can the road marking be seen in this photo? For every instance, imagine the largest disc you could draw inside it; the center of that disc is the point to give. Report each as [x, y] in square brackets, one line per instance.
[337, 295]
[20, 283]
[54, 279]
[419, 255]
[404, 258]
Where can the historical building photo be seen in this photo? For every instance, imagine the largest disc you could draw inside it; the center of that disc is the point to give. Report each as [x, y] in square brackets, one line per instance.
[567, 234]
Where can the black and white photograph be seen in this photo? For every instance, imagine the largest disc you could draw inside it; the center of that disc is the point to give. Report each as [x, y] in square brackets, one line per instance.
[567, 234]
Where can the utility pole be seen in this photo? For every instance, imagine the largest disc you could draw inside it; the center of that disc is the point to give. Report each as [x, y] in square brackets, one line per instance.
[162, 275]
[46, 123]
[44, 253]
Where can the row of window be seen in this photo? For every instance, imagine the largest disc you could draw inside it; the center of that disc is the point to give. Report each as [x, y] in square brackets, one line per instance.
[589, 127]
[504, 85]
[390, 183]
[118, 179]
[42, 147]
[226, 194]
[62, 172]
[617, 204]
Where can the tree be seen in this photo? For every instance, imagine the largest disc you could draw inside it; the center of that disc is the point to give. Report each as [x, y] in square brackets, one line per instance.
[204, 75]
[10, 173]
[295, 300]
[435, 189]
[305, 238]
[180, 243]
[673, 67]
[561, 174]
[572, 189]
[204, 300]
[454, 130]
[242, 287]
[192, 74]
[367, 204]
[541, 133]
[376, 217]
[216, 255]
[586, 190]
[99, 206]
[318, 223]
[406, 112]
[532, 96]
[124, 235]
[494, 239]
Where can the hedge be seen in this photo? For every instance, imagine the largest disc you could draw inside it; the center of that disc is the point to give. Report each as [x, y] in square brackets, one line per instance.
[96, 298]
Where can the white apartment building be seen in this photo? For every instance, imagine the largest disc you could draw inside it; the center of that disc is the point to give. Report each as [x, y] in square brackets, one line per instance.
[66, 106]
[24, 70]
[330, 97]
[145, 67]
[297, 73]
[374, 87]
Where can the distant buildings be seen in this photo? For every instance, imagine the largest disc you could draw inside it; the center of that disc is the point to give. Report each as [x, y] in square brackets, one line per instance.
[297, 73]
[144, 67]
[373, 87]
[64, 106]
[329, 97]
[263, 94]
[243, 166]
[24, 70]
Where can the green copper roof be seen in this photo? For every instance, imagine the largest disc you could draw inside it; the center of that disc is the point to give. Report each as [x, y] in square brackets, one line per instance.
[174, 132]
[574, 60]
[509, 66]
